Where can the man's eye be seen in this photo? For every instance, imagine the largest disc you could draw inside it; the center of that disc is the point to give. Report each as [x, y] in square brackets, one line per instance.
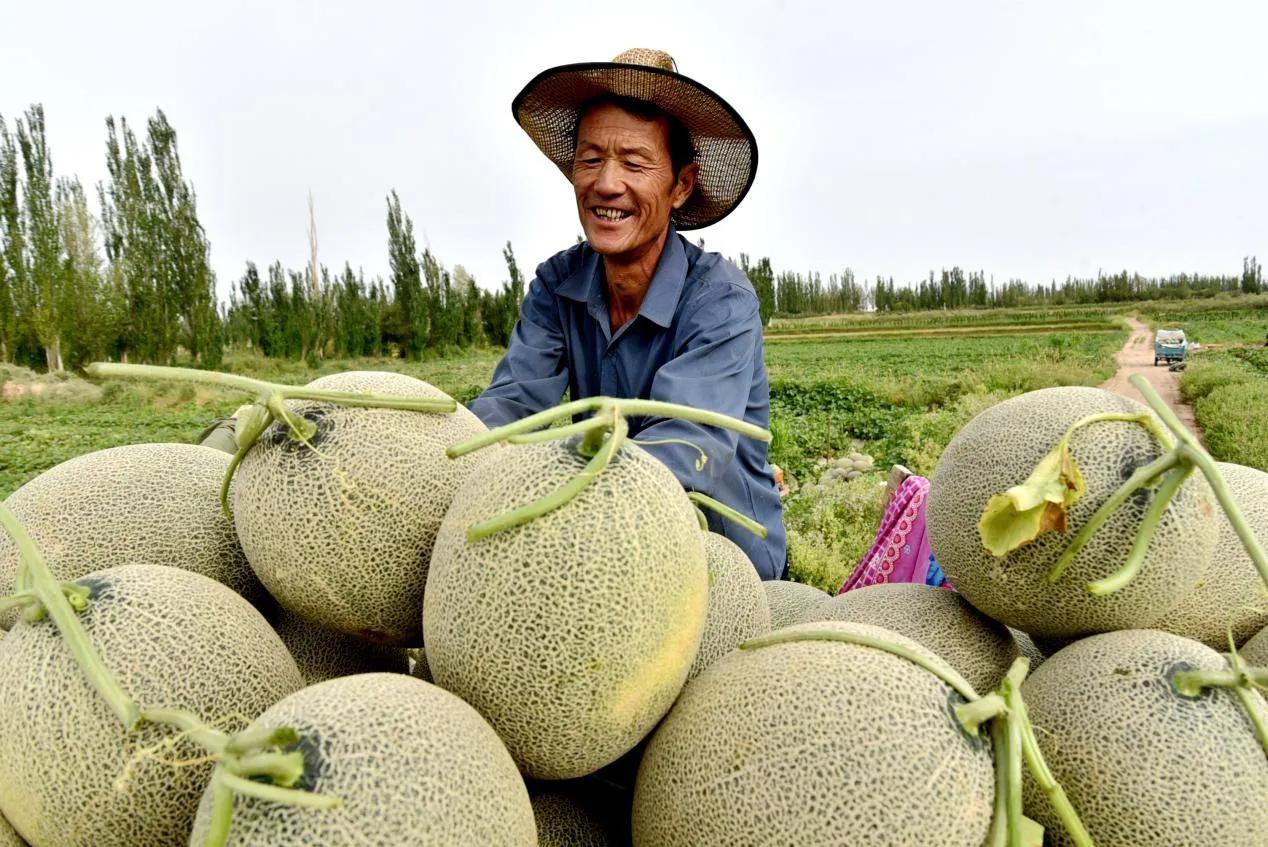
[589, 162]
[633, 166]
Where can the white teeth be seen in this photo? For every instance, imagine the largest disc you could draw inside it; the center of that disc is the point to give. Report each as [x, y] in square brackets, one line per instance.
[611, 214]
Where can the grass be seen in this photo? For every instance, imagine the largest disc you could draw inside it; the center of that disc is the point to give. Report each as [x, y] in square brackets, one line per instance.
[1227, 319]
[1229, 393]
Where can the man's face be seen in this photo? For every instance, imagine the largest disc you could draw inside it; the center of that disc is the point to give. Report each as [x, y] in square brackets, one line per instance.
[624, 180]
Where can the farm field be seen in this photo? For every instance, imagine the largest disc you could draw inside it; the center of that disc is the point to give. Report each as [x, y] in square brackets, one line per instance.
[898, 398]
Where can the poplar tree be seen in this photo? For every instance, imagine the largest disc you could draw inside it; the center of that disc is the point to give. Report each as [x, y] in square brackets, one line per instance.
[42, 299]
[12, 245]
[409, 321]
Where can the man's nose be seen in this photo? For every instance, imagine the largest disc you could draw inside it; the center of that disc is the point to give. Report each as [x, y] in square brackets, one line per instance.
[609, 181]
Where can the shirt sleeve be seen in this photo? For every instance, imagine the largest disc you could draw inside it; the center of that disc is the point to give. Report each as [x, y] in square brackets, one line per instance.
[533, 374]
[712, 370]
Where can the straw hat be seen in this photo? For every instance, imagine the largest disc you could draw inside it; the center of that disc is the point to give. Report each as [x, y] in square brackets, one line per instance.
[725, 148]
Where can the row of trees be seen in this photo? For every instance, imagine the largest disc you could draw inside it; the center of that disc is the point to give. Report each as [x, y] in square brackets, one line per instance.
[61, 302]
[792, 293]
[135, 281]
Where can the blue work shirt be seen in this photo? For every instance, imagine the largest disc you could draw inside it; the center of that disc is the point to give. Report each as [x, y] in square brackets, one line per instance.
[697, 340]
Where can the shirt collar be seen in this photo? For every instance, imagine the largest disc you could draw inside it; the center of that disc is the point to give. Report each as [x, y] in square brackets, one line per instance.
[663, 293]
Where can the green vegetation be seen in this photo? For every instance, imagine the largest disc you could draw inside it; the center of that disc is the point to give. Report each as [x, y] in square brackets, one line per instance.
[1229, 393]
[1218, 320]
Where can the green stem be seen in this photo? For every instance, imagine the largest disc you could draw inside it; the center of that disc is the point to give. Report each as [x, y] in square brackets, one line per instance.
[275, 794]
[1247, 699]
[250, 436]
[973, 714]
[190, 724]
[1142, 477]
[1039, 769]
[1012, 731]
[221, 811]
[1192, 683]
[938, 668]
[1196, 453]
[20, 600]
[1145, 534]
[284, 769]
[260, 388]
[301, 428]
[1146, 420]
[560, 496]
[702, 520]
[727, 512]
[593, 440]
[646, 408]
[49, 591]
[524, 425]
[249, 740]
[998, 835]
[558, 432]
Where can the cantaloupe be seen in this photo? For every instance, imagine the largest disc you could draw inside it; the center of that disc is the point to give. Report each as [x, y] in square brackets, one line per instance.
[999, 449]
[738, 609]
[411, 763]
[420, 668]
[172, 639]
[1142, 764]
[815, 742]
[1231, 595]
[572, 633]
[341, 531]
[571, 816]
[1255, 651]
[939, 620]
[322, 654]
[791, 602]
[143, 504]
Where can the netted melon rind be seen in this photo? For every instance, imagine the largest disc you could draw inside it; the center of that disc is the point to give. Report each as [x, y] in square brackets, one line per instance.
[411, 763]
[738, 609]
[322, 654]
[1231, 594]
[342, 536]
[791, 602]
[999, 449]
[809, 743]
[172, 639]
[570, 819]
[1255, 651]
[939, 620]
[1142, 764]
[572, 633]
[141, 504]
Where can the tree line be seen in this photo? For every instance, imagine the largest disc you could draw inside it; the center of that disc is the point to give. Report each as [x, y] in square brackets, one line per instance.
[134, 282]
[790, 293]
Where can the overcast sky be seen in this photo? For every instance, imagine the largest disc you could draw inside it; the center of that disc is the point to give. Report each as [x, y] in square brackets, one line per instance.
[1029, 140]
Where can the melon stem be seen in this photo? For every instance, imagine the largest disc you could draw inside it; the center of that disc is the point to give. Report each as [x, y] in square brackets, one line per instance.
[652, 408]
[998, 834]
[221, 810]
[558, 432]
[250, 740]
[262, 389]
[1166, 492]
[727, 512]
[250, 434]
[974, 713]
[1143, 476]
[1193, 451]
[275, 794]
[938, 668]
[190, 724]
[283, 769]
[560, 496]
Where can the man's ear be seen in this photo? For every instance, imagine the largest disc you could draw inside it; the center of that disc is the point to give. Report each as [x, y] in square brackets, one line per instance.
[685, 184]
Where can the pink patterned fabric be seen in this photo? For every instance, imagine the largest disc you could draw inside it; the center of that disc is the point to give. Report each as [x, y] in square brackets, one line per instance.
[901, 552]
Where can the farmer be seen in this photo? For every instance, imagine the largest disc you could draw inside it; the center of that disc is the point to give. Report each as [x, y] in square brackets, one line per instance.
[637, 310]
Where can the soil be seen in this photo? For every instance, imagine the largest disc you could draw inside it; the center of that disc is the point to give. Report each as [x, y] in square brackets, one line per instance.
[1137, 356]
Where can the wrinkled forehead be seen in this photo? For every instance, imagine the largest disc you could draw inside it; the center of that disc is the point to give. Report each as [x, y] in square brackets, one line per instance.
[609, 127]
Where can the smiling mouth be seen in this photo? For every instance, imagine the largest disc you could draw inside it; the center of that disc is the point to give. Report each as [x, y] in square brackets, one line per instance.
[609, 215]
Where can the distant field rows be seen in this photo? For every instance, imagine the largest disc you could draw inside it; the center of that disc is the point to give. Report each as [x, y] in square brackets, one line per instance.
[930, 332]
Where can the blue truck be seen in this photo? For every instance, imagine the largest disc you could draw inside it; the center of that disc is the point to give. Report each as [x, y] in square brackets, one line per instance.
[1170, 346]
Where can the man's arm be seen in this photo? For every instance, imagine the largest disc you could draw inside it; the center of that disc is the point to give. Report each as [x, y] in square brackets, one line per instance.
[533, 374]
[713, 370]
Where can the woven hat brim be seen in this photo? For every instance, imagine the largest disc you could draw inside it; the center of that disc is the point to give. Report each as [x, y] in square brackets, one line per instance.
[726, 150]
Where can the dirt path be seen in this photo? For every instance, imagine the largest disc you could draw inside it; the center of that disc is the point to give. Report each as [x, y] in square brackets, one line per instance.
[1137, 356]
